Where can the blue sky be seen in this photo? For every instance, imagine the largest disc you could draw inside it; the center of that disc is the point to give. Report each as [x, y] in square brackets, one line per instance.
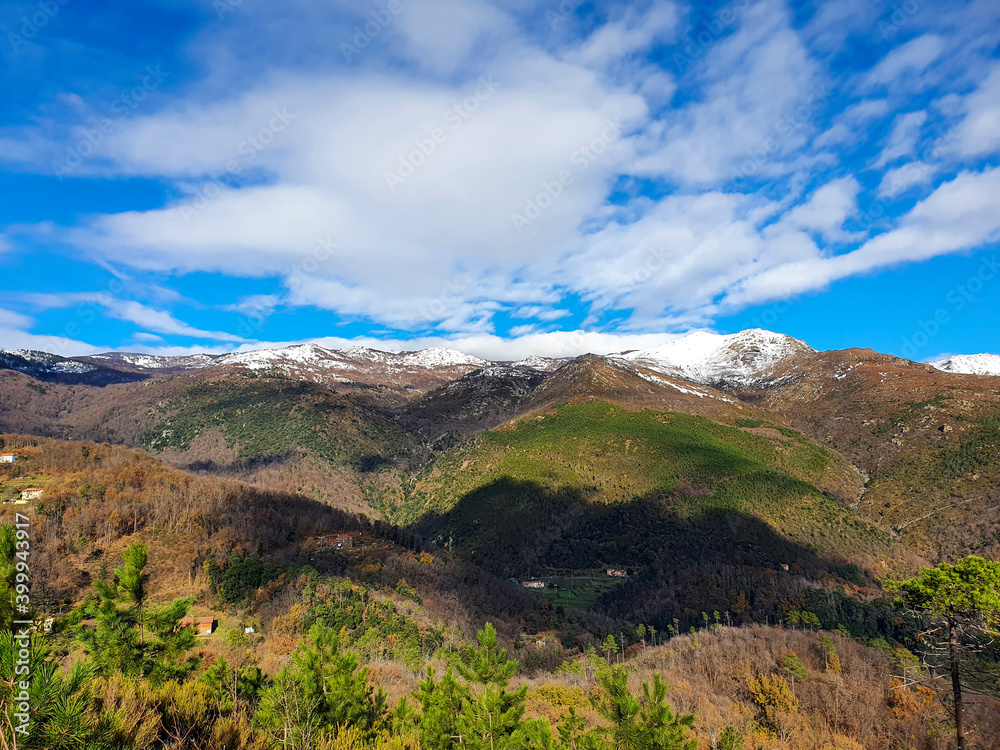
[505, 178]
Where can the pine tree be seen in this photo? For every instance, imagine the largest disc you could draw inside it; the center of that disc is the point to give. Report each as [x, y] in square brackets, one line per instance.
[135, 639]
[962, 603]
[609, 647]
[648, 724]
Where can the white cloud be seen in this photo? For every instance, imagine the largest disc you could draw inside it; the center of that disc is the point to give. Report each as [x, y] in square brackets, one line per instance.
[905, 63]
[634, 32]
[959, 215]
[979, 131]
[147, 337]
[897, 181]
[903, 138]
[15, 334]
[130, 311]
[827, 209]
[754, 83]
[11, 319]
[436, 249]
[850, 124]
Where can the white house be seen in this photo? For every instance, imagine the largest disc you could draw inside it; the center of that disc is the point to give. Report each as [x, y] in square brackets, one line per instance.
[8, 458]
[31, 493]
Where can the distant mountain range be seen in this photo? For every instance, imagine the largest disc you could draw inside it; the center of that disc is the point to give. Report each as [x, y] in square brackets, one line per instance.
[736, 360]
[566, 462]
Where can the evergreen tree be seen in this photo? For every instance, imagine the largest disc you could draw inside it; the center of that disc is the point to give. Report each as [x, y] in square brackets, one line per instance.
[323, 689]
[962, 602]
[648, 724]
[609, 647]
[135, 639]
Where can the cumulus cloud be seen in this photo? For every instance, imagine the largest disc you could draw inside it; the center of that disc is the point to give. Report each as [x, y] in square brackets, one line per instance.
[461, 165]
[827, 209]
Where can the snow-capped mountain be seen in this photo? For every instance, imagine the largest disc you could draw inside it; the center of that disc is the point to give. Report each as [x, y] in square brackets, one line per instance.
[439, 356]
[52, 367]
[737, 359]
[150, 363]
[970, 364]
[545, 364]
[358, 364]
[745, 360]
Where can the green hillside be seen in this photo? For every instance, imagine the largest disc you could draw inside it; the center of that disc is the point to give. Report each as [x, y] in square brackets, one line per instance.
[266, 417]
[594, 484]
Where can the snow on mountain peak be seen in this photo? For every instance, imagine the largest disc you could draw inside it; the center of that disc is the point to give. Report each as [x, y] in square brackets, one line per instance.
[439, 356]
[709, 358]
[970, 364]
[536, 362]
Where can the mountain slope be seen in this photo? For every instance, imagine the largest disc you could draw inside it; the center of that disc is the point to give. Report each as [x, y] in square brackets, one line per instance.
[53, 368]
[592, 377]
[477, 401]
[927, 438]
[548, 490]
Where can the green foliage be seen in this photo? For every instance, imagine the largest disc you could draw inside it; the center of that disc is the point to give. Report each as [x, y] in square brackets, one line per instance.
[242, 577]
[610, 646]
[975, 452]
[968, 589]
[8, 571]
[805, 619]
[829, 649]
[373, 626]
[634, 723]
[794, 667]
[273, 417]
[489, 718]
[323, 688]
[731, 739]
[135, 639]
[489, 664]
[561, 696]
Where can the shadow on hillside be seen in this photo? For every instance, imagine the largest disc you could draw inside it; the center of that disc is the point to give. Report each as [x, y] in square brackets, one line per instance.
[238, 467]
[513, 527]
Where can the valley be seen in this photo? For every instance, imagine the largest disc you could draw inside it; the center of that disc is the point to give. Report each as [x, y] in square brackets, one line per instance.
[699, 496]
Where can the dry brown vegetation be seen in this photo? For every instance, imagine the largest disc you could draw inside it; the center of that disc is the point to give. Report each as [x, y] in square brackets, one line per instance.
[737, 676]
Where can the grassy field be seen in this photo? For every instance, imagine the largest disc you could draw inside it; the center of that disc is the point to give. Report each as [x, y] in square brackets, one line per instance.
[577, 593]
[11, 488]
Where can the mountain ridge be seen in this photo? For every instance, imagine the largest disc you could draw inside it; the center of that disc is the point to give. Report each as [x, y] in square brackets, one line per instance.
[738, 360]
